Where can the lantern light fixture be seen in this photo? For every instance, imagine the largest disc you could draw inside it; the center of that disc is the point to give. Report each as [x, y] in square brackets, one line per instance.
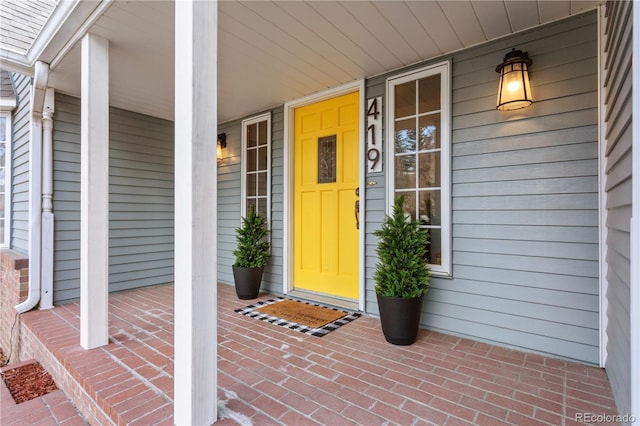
[222, 143]
[514, 90]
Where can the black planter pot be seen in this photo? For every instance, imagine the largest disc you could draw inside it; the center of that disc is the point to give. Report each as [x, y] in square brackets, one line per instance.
[247, 282]
[400, 318]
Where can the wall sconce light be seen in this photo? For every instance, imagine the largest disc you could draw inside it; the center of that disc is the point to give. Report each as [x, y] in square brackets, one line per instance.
[222, 143]
[514, 91]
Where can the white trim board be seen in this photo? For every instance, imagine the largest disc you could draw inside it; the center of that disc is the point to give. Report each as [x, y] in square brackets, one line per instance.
[634, 308]
[289, 107]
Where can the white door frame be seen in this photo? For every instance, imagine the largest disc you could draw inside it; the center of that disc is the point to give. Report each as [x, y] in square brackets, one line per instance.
[289, 122]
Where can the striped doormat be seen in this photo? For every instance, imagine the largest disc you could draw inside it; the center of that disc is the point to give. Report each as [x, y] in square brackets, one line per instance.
[313, 319]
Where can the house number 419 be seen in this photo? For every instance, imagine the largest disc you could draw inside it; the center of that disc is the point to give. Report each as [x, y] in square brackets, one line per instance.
[374, 134]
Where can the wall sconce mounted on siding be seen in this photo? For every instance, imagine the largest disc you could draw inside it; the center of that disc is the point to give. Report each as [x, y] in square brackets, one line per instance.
[222, 143]
[514, 91]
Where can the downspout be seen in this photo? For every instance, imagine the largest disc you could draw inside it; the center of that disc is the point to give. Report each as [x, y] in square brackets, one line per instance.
[40, 78]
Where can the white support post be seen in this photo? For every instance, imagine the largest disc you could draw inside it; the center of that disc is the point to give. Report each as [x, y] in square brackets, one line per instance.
[602, 193]
[195, 359]
[634, 285]
[46, 275]
[94, 192]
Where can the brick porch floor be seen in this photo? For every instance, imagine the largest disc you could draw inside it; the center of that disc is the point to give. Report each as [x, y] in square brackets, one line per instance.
[272, 375]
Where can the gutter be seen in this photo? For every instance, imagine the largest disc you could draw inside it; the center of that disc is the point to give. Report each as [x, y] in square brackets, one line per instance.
[68, 23]
[40, 79]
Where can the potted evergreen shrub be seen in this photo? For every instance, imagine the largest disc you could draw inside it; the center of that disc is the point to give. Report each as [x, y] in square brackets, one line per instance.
[252, 254]
[402, 275]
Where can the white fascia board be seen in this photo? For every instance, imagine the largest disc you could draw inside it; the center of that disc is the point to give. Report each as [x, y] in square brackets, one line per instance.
[15, 62]
[52, 27]
[68, 23]
[8, 104]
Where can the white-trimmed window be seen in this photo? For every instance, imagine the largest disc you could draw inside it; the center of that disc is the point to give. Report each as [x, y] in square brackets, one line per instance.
[5, 177]
[418, 154]
[256, 165]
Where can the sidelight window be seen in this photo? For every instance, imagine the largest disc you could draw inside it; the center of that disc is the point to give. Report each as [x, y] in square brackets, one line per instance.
[418, 155]
[256, 165]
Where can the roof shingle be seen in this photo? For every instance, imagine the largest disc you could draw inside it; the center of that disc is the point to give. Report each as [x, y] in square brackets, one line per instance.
[6, 88]
[21, 22]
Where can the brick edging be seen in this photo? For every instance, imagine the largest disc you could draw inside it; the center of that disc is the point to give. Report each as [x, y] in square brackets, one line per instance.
[17, 365]
[14, 288]
[63, 378]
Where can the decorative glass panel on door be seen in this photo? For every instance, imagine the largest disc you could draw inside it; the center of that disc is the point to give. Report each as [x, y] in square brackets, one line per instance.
[327, 159]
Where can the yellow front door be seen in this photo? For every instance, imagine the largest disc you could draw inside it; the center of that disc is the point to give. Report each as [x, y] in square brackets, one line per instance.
[326, 146]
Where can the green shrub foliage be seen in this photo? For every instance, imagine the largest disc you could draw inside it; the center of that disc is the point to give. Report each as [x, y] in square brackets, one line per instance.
[402, 269]
[252, 250]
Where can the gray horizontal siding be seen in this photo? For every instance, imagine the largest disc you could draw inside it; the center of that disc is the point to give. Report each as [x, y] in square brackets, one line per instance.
[375, 199]
[273, 274]
[228, 200]
[66, 199]
[618, 48]
[535, 170]
[141, 202]
[229, 180]
[20, 165]
[524, 200]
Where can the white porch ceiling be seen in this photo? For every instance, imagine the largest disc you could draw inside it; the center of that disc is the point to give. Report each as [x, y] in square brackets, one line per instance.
[270, 52]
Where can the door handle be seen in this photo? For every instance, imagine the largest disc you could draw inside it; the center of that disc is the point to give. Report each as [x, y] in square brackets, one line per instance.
[357, 208]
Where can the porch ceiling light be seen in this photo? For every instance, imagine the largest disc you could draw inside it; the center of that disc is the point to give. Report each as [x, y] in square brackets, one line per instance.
[222, 143]
[514, 91]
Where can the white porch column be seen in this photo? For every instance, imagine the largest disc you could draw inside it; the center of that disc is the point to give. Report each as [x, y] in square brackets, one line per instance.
[195, 363]
[635, 226]
[46, 269]
[94, 192]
